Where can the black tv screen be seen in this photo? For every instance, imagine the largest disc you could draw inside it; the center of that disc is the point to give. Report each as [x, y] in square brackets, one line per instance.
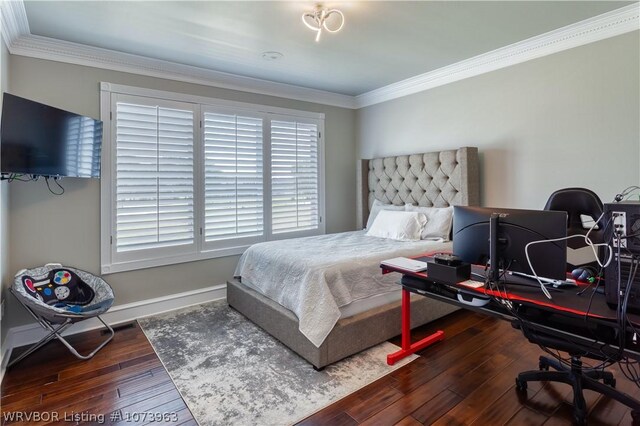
[37, 139]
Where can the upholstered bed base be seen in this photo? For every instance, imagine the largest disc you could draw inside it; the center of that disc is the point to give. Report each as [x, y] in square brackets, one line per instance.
[437, 179]
[349, 336]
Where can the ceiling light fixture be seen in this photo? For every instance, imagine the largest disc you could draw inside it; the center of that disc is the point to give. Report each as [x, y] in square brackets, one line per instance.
[317, 20]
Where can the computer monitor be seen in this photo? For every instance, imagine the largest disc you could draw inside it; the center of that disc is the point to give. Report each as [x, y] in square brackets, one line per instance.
[512, 229]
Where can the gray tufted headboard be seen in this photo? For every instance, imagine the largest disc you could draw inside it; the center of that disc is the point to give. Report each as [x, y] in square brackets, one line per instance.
[438, 179]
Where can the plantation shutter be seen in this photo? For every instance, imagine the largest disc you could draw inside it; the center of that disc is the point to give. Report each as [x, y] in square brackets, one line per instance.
[154, 175]
[82, 135]
[294, 176]
[233, 174]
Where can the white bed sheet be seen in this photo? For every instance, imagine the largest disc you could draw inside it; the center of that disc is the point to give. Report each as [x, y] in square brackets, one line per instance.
[315, 276]
[363, 305]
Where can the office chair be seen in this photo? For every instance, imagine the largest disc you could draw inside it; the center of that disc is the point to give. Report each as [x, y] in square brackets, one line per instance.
[578, 202]
[575, 375]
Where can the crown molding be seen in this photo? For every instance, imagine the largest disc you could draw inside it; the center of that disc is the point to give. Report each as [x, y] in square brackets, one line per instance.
[14, 20]
[607, 25]
[79, 54]
[19, 40]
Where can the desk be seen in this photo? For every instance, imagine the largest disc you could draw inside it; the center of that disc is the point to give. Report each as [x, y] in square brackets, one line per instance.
[578, 321]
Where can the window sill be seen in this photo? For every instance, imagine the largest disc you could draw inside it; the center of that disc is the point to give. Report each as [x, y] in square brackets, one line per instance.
[172, 260]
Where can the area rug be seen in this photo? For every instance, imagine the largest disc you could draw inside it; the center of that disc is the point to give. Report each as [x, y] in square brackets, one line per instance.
[231, 372]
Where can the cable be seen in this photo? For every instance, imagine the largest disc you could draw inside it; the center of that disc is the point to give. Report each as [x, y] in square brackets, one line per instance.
[625, 192]
[526, 252]
[46, 179]
[588, 242]
[18, 177]
[57, 181]
[593, 246]
[633, 269]
[597, 278]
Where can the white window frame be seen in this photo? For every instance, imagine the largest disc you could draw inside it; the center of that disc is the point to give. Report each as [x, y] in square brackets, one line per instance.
[307, 233]
[164, 252]
[112, 262]
[242, 242]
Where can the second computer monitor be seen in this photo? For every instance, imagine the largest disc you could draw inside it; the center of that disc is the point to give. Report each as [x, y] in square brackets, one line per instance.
[516, 228]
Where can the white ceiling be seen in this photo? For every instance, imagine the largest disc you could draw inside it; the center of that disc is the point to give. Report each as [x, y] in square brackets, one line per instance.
[381, 43]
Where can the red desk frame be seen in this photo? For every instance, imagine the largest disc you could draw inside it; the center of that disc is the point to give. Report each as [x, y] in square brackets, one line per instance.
[407, 347]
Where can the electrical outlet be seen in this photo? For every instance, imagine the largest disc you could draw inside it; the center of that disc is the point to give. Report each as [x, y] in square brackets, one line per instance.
[619, 228]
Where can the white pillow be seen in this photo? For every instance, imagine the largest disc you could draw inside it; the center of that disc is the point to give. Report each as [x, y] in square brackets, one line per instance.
[398, 225]
[379, 206]
[439, 220]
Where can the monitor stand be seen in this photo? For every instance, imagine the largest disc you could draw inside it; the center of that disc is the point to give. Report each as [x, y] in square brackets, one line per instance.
[494, 265]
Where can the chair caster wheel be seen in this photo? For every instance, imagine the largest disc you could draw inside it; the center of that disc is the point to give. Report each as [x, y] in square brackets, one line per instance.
[542, 366]
[521, 385]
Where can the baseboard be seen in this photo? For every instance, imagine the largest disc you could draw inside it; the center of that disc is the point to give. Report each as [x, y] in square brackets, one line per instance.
[31, 333]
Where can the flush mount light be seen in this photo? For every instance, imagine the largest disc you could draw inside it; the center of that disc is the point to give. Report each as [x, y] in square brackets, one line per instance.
[271, 56]
[317, 20]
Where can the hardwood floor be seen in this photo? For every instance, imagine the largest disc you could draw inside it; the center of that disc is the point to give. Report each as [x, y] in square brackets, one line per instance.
[124, 378]
[466, 379]
[469, 378]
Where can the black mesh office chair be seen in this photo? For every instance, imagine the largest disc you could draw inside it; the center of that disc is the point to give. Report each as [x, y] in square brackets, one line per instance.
[578, 202]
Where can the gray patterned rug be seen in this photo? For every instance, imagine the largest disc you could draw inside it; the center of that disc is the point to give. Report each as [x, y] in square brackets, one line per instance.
[231, 372]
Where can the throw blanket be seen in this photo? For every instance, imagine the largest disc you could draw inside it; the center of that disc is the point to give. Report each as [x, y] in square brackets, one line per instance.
[314, 276]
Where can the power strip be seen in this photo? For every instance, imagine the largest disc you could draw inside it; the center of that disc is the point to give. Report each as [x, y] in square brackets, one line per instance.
[619, 228]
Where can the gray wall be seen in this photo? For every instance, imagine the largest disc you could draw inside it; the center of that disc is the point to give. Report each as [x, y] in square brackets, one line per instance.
[4, 199]
[566, 119]
[569, 119]
[46, 228]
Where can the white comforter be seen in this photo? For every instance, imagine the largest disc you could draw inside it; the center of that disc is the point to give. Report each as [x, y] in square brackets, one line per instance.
[314, 276]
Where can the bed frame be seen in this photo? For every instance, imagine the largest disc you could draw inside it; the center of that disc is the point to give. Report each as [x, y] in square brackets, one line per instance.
[437, 179]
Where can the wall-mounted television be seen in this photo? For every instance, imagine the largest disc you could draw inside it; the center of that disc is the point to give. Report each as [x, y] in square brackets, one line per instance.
[40, 140]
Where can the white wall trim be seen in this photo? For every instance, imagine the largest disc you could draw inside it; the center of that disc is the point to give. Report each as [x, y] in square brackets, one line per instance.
[14, 21]
[607, 25]
[205, 100]
[74, 53]
[31, 333]
[21, 42]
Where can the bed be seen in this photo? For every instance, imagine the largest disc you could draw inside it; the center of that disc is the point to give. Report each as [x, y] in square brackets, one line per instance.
[324, 296]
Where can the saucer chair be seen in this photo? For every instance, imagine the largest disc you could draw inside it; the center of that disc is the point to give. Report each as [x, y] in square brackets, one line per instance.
[58, 296]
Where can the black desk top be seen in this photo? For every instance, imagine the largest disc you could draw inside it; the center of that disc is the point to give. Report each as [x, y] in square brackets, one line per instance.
[565, 299]
[587, 314]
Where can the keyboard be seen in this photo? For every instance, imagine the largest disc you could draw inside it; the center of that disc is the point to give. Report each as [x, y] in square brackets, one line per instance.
[406, 264]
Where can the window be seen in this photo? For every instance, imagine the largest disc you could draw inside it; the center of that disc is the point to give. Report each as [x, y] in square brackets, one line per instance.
[294, 176]
[188, 178]
[233, 176]
[80, 134]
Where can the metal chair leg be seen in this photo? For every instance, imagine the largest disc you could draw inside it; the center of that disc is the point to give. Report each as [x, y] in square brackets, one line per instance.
[52, 335]
[90, 355]
[56, 333]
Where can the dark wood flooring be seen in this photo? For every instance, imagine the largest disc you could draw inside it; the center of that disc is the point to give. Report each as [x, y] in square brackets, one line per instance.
[469, 378]
[466, 379]
[125, 377]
